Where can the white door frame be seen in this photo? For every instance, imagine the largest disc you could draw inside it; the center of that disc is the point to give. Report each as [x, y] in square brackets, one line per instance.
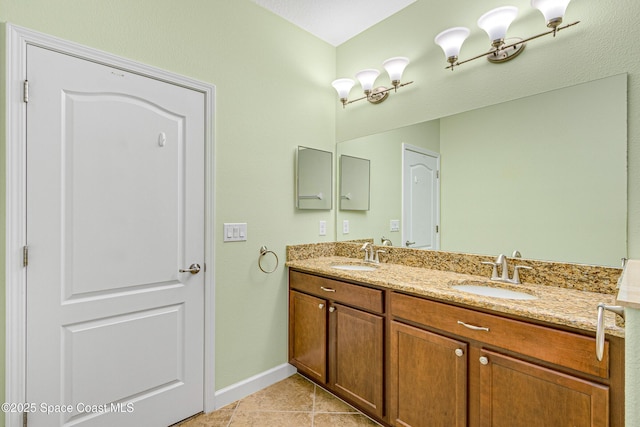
[409, 147]
[17, 39]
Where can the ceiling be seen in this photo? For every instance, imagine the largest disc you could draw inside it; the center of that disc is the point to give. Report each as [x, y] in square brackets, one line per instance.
[334, 21]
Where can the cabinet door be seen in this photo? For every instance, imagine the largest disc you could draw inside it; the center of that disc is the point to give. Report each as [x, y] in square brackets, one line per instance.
[357, 356]
[308, 335]
[519, 394]
[428, 380]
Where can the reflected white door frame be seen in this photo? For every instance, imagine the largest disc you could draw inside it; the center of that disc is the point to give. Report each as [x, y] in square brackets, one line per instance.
[420, 198]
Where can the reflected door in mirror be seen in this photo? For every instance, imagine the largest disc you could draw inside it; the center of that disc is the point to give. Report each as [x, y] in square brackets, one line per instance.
[420, 186]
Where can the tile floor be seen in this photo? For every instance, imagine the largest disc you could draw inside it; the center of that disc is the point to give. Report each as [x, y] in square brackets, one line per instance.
[293, 402]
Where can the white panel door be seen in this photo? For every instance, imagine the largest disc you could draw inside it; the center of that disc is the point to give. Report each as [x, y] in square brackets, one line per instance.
[421, 199]
[115, 207]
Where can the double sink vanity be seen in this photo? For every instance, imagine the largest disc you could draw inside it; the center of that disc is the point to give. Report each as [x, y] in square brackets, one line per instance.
[426, 338]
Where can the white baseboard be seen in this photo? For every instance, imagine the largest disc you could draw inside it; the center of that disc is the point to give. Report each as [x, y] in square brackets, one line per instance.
[253, 384]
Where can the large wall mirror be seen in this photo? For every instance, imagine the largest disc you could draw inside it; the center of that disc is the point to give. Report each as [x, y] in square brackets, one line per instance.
[545, 174]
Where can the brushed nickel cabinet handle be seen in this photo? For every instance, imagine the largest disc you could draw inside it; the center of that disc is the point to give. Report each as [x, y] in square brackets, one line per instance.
[459, 352]
[332, 309]
[320, 306]
[484, 360]
[473, 327]
[327, 289]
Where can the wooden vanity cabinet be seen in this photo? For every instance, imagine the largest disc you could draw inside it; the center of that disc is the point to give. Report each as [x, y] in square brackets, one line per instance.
[514, 393]
[308, 335]
[409, 361]
[428, 381]
[503, 372]
[336, 338]
[356, 360]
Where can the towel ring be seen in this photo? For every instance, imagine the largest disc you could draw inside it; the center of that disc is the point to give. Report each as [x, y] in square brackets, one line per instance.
[264, 251]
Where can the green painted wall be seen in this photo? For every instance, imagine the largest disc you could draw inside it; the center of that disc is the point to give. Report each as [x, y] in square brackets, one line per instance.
[272, 95]
[632, 367]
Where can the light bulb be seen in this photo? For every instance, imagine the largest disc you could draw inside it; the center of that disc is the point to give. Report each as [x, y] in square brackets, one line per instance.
[451, 42]
[367, 78]
[496, 22]
[395, 67]
[343, 87]
[553, 10]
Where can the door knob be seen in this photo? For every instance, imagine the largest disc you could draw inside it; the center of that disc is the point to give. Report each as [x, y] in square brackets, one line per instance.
[408, 243]
[193, 269]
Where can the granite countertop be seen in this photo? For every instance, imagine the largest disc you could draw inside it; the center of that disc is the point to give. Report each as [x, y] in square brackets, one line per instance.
[555, 305]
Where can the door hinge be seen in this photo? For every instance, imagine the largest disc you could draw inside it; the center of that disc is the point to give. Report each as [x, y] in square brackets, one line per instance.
[25, 91]
[437, 228]
[25, 256]
[437, 174]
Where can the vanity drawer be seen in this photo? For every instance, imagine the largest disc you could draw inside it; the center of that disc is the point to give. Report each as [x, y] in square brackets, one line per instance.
[334, 290]
[561, 348]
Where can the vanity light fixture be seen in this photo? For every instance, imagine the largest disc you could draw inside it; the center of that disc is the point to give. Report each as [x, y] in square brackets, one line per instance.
[375, 95]
[495, 23]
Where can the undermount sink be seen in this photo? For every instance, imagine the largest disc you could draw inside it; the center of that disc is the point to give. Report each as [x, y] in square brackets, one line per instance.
[354, 267]
[490, 291]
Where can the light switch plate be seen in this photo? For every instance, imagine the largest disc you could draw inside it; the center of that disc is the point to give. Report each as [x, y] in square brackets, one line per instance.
[322, 230]
[345, 226]
[235, 232]
[394, 225]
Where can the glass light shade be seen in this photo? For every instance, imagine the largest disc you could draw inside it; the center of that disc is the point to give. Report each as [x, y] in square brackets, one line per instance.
[497, 21]
[343, 87]
[553, 10]
[367, 78]
[395, 67]
[451, 41]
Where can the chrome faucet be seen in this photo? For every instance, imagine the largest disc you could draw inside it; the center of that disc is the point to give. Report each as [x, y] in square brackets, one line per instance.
[501, 261]
[386, 242]
[368, 251]
[370, 255]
